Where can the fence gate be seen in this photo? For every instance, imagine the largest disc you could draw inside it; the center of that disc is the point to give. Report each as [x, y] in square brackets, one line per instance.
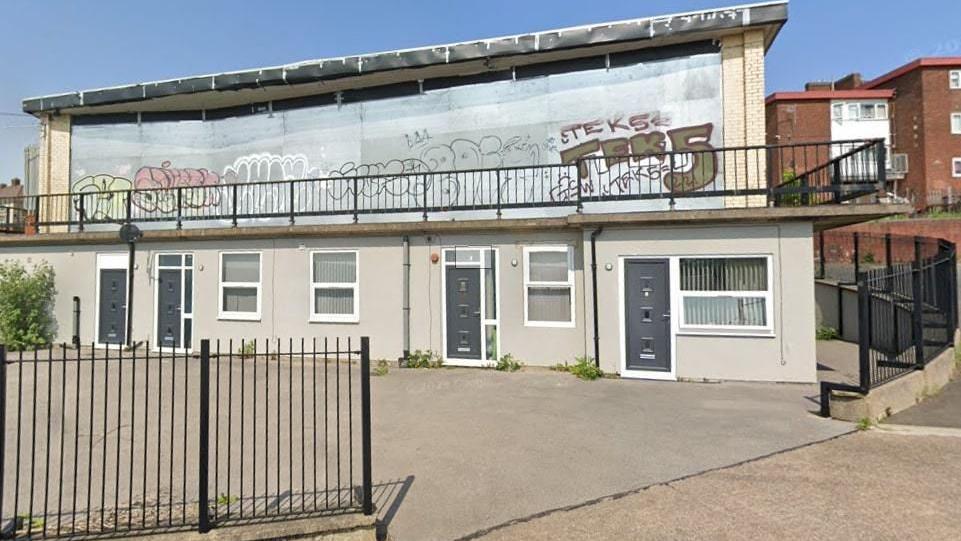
[107, 441]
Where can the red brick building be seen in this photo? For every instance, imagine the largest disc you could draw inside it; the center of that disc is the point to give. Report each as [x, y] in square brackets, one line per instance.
[926, 127]
[916, 108]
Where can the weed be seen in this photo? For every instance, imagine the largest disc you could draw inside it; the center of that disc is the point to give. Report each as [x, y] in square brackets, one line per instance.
[585, 368]
[35, 523]
[865, 424]
[559, 367]
[826, 333]
[382, 368]
[424, 359]
[507, 363]
[227, 499]
[247, 349]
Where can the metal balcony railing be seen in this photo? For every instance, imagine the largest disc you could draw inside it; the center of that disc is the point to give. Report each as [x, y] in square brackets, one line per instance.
[629, 177]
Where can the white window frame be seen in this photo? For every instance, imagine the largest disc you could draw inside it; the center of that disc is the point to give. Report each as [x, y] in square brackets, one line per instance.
[768, 296]
[240, 316]
[880, 111]
[955, 162]
[954, 79]
[955, 123]
[569, 284]
[837, 111]
[313, 316]
[485, 322]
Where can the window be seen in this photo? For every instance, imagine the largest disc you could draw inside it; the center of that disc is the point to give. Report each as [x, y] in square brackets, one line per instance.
[549, 287]
[955, 78]
[853, 111]
[240, 285]
[334, 286]
[956, 123]
[881, 111]
[956, 167]
[837, 111]
[726, 293]
[867, 111]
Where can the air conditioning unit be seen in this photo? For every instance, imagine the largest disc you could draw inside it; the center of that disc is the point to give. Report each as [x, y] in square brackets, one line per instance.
[899, 163]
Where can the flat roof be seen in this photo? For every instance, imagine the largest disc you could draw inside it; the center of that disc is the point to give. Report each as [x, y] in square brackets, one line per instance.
[927, 62]
[313, 76]
[855, 94]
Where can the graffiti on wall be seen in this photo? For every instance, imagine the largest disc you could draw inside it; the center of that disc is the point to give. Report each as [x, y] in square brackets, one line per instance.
[615, 124]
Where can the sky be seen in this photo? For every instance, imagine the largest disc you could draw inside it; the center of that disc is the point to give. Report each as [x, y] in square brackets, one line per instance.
[54, 46]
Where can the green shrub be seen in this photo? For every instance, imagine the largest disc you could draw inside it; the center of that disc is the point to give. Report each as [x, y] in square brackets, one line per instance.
[826, 333]
[868, 258]
[585, 368]
[424, 359]
[382, 368]
[507, 363]
[26, 305]
[227, 499]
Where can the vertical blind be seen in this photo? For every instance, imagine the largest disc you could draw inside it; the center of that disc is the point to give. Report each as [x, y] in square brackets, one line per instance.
[335, 283]
[549, 304]
[719, 291]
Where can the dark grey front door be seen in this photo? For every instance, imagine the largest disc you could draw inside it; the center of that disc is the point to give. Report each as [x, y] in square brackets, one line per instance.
[463, 313]
[113, 306]
[647, 307]
[169, 316]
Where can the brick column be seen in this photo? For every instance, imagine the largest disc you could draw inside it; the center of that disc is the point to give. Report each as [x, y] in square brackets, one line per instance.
[54, 166]
[742, 73]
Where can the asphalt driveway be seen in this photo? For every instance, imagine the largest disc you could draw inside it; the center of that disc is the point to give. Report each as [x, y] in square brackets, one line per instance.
[459, 452]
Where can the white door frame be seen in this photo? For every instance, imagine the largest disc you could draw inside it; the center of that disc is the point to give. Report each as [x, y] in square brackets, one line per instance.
[673, 275]
[484, 361]
[110, 261]
[185, 348]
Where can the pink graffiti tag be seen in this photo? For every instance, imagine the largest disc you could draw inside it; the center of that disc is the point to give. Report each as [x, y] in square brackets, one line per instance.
[161, 183]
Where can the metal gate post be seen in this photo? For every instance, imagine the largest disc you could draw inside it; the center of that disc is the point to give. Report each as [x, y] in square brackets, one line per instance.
[864, 336]
[203, 459]
[3, 424]
[918, 306]
[367, 488]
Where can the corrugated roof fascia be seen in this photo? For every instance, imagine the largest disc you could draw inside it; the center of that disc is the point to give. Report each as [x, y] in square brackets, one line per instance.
[103, 95]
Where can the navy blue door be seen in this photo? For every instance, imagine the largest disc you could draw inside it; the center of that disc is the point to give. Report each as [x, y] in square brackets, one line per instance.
[113, 306]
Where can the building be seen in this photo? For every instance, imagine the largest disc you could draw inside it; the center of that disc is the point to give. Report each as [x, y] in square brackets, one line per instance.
[915, 108]
[600, 191]
[926, 127]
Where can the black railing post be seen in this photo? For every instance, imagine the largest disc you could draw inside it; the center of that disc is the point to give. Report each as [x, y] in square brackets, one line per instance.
[367, 489]
[180, 207]
[291, 202]
[671, 200]
[81, 213]
[821, 256]
[498, 173]
[580, 187]
[355, 200]
[425, 196]
[917, 290]
[857, 255]
[233, 204]
[76, 322]
[36, 207]
[882, 165]
[836, 181]
[864, 335]
[129, 205]
[203, 459]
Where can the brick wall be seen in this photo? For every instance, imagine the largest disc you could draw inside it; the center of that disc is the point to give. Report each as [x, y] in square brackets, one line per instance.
[941, 228]
[54, 166]
[742, 72]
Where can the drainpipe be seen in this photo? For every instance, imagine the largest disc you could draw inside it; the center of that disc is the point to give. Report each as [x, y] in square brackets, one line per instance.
[597, 339]
[406, 308]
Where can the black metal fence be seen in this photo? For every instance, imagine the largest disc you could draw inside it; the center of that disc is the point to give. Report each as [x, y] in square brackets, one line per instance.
[907, 308]
[106, 441]
[636, 169]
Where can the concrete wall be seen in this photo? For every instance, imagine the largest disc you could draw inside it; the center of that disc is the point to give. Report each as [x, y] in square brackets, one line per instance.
[828, 298]
[786, 355]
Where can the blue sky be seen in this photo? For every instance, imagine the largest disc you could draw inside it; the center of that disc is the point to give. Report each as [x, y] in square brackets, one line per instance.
[51, 46]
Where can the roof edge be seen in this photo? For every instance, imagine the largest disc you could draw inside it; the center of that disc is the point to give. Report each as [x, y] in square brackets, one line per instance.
[811, 95]
[924, 62]
[772, 14]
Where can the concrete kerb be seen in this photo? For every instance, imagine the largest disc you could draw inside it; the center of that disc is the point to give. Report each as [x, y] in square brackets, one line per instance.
[346, 527]
[897, 395]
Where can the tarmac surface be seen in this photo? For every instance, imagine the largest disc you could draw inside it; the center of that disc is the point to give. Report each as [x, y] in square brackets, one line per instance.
[870, 485]
[941, 410]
